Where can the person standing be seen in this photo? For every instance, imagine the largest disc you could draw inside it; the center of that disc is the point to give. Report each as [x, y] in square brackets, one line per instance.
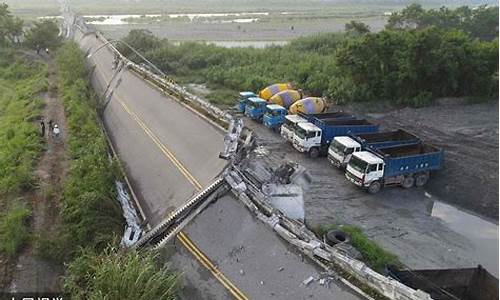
[51, 126]
[56, 131]
[42, 127]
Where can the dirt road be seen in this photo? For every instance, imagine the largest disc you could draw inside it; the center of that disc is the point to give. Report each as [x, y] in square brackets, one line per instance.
[31, 272]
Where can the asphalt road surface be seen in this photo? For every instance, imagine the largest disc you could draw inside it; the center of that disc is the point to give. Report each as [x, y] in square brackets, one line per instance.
[170, 153]
[262, 265]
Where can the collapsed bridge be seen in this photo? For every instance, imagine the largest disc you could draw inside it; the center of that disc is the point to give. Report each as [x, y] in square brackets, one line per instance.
[182, 189]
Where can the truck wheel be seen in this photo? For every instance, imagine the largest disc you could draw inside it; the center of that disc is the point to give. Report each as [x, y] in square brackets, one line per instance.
[374, 187]
[408, 182]
[314, 152]
[421, 179]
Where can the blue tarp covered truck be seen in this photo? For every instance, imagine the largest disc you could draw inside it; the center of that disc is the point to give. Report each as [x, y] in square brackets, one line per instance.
[404, 165]
[315, 137]
[342, 147]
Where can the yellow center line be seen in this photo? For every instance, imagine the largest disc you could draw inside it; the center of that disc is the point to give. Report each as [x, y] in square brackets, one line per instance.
[182, 237]
[162, 147]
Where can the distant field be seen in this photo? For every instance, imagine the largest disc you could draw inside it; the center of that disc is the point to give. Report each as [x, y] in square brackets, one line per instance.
[278, 21]
[268, 30]
[33, 8]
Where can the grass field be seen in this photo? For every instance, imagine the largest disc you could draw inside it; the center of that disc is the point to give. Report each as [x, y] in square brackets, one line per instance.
[21, 82]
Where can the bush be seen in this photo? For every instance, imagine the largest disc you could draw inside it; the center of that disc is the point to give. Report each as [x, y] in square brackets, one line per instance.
[14, 230]
[118, 274]
[91, 215]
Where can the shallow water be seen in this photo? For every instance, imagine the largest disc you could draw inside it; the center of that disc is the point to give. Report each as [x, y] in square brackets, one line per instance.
[120, 19]
[115, 19]
[212, 15]
[483, 234]
[243, 44]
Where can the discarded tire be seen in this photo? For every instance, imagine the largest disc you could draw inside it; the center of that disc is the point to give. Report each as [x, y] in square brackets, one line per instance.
[334, 237]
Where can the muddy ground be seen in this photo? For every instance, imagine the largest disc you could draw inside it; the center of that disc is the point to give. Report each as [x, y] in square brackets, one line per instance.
[406, 222]
[256, 31]
[468, 133]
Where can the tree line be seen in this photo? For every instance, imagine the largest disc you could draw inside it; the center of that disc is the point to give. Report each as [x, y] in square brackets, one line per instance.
[420, 55]
[38, 35]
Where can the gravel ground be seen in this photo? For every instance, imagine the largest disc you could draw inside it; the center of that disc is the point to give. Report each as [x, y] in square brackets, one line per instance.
[469, 136]
[402, 221]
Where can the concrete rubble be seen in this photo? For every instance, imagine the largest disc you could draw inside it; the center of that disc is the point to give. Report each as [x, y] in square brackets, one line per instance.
[249, 185]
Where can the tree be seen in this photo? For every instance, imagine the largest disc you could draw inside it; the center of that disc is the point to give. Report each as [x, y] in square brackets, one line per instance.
[480, 22]
[357, 28]
[140, 39]
[11, 28]
[409, 18]
[43, 34]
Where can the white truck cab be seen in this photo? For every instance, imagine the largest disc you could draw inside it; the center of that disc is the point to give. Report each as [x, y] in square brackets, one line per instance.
[289, 126]
[341, 150]
[366, 170]
[307, 136]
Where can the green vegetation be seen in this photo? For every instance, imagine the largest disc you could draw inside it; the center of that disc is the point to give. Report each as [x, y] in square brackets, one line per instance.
[43, 34]
[89, 217]
[14, 230]
[20, 84]
[21, 81]
[408, 67]
[90, 214]
[373, 255]
[357, 28]
[481, 22]
[10, 27]
[120, 275]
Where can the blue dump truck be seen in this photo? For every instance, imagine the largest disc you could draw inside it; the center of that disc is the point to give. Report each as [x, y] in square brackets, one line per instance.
[315, 137]
[255, 108]
[342, 147]
[243, 98]
[291, 121]
[274, 116]
[405, 166]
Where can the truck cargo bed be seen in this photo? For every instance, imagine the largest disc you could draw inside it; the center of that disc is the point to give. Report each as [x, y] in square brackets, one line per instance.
[409, 150]
[340, 122]
[407, 159]
[328, 115]
[386, 139]
[395, 135]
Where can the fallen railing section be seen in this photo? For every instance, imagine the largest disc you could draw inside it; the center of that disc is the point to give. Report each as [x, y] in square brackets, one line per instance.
[168, 228]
